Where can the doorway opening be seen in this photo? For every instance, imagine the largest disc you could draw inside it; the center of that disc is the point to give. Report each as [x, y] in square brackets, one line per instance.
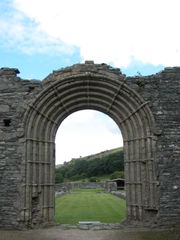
[89, 169]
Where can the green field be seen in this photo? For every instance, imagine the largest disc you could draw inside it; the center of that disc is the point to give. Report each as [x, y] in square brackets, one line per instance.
[89, 205]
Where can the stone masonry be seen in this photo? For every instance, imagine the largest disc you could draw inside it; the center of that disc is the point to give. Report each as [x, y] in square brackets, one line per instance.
[147, 110]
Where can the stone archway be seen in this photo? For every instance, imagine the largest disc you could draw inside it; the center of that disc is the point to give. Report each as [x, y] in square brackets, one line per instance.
[99, 88]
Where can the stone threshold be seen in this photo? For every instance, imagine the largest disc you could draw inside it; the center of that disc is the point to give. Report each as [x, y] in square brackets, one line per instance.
[92, 225]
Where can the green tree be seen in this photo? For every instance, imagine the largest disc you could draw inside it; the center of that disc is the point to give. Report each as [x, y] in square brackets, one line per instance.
[97, 165]
[117, 174]
[59, 178]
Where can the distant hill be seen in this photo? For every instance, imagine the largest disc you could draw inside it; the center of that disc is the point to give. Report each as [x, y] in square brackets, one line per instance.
[100, 155]
[95, 165]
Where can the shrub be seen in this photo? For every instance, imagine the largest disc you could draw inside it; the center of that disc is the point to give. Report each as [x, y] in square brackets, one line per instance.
[117, 174]
[92, 179]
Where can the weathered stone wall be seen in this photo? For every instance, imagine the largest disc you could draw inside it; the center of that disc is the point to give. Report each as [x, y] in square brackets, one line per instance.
[110, 186]
[161, 90]
[12, 93]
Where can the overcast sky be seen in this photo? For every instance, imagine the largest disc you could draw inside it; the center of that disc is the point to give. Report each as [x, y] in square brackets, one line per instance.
[38, 36]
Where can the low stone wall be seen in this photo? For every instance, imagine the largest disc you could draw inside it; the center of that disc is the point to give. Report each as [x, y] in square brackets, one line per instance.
[83, 185]
[63, 187]
[59, 194]
[88, 185]
[119, 194]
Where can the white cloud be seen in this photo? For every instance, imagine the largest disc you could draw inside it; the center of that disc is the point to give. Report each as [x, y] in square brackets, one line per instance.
[111, 30]
[84, 133]
[27, 36]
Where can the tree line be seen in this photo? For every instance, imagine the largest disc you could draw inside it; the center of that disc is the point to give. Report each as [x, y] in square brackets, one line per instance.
[91, 166]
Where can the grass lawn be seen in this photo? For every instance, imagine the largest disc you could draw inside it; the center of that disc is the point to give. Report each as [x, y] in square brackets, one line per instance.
[89, 205]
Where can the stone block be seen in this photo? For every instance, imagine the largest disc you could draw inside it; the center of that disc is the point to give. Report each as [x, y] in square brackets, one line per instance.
[4, 108]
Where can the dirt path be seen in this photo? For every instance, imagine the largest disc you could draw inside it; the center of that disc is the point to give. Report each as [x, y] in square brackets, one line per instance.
[76, 234]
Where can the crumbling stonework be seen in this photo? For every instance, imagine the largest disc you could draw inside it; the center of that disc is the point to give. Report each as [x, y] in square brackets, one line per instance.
[110, 186]
[147, 110]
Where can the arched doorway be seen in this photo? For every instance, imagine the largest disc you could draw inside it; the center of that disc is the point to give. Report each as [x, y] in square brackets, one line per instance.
[100, 89]
[88, 153]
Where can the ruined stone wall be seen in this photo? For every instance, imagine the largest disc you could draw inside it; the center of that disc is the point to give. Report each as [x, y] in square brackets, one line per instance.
[12, 93]
[163, 93]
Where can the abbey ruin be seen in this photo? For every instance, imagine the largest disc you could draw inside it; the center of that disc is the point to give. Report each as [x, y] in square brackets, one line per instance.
[147, 111]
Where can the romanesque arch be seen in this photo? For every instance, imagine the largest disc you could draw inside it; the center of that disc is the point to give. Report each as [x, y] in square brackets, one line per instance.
[147, 110]
[91, 87]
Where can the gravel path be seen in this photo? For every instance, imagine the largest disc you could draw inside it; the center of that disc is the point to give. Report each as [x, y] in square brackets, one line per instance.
[56, 233]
